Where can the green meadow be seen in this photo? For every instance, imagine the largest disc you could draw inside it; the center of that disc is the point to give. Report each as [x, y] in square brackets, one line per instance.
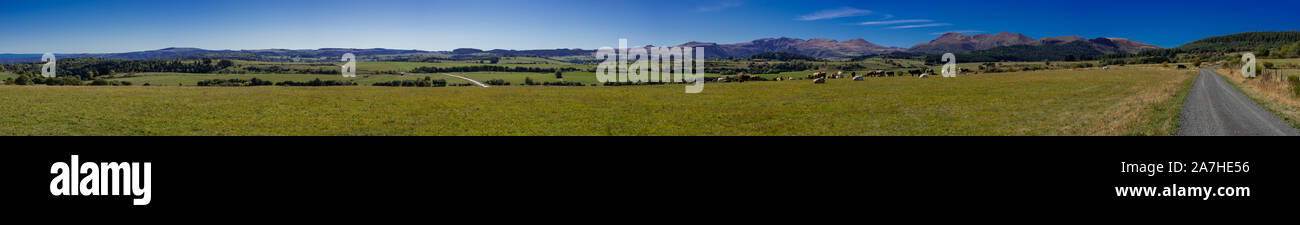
[1131, 101]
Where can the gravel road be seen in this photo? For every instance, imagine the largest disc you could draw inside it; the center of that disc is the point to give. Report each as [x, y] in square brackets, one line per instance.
[1216, 108]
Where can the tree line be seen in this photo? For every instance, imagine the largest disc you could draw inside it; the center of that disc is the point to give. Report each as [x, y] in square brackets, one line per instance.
[91, 68]
[530, 82]
[259, 82]
[488, 68]
[30, 79]
[426, 82]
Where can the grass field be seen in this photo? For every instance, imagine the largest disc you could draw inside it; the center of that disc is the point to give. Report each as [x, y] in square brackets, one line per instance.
[1291, 62]
[7, 75]
[1086, 102]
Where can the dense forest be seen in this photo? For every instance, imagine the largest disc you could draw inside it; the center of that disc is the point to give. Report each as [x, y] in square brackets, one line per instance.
[1263, 44]
[1242, 42]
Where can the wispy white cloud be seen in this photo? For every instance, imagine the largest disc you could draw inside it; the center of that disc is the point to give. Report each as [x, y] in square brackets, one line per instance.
[888, 16]
[957, 31]
[835, 13]
[720, 6]
[889, 22]
[921, 25]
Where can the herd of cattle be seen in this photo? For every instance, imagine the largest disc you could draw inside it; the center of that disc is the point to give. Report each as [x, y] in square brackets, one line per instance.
[820, 77]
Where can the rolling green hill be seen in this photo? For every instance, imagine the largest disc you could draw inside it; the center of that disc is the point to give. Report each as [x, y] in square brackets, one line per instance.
[1243, 42]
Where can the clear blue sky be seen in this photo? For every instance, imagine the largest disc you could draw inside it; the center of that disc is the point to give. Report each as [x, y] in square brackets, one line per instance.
[100, 26]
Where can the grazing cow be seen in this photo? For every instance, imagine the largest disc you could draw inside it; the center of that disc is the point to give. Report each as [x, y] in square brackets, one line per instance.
[817, 75]
[914, 72]
[874, 73]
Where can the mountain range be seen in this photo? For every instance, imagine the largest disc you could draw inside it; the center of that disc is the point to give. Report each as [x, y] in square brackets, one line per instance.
[962, 43]
[816, 47]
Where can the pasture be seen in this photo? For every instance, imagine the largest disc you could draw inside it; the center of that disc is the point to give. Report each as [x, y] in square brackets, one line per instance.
[1065, 102]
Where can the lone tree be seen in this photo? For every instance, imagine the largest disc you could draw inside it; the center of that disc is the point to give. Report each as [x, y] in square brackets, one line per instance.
[559, 75]
[23, 80]
[225, 63]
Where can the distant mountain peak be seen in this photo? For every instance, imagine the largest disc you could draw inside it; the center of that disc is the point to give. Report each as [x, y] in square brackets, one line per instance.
[1064, 39]
[815, 47]
[959, 43]
[180, 49]
[1130, 45]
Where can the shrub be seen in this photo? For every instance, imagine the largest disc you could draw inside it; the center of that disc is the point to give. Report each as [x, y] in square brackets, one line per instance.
[236, 82]
[317, 83]
[1295, 84]
[22, 80]
[58, 81]
[426, 82]
[563, 83]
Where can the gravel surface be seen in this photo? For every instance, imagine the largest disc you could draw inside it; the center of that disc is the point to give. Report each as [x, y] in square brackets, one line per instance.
[1216, 108]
